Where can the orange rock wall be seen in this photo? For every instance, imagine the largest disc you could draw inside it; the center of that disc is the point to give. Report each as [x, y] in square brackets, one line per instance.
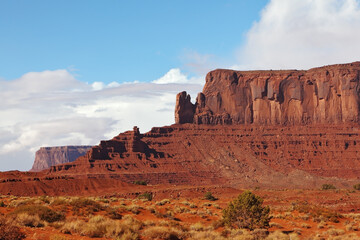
[328, 94]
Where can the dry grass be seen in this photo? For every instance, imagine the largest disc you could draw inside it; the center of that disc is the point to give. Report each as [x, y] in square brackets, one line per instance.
[116, 218]
[9, 230]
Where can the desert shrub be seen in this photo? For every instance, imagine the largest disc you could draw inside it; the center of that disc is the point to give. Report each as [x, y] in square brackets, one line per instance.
[2, 204]
[27, 220]
[9, 231]
[317, 213]
[99, 226]
[147, 195]
[327, 186]
[113, 213]
[209, 196]
[208, 235]
[135, 209]
[357, 186]
[246, 211]
[140, 182]
[163, 202]
[85, 206]
[168, 233]
[278, 235]
[59, 201]
[44, 213]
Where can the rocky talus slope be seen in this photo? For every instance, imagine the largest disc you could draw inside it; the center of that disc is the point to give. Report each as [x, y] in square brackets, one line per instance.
[46, 157]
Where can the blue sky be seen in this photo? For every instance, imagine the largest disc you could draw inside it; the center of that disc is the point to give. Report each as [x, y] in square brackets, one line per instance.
[76, 72]
[120, 41]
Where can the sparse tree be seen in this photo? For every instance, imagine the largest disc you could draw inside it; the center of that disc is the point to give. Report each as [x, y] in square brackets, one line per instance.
[246, 211]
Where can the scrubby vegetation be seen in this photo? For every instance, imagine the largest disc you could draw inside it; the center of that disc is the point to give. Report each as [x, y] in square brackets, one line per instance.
[317, 213]
[246, 217]
[9, 231]
[357, 186]
[140, 182]
[209, 196]
[327, 186]
[38, 212]
[247, 212]
[147, 196]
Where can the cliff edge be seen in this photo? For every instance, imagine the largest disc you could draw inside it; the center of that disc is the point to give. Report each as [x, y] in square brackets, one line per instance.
[324, 95]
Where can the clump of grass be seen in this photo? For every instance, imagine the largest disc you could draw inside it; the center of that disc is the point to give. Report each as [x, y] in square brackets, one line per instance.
[209, 196]
[163, 202]
[100, 226]
[85, 206]
[113, 213]
[44, 213]
[357, 186]
[317, 213]
[140, 182]
[159, 232]
[327, 186]
[147, 196]
[28, 220]
[135, 209]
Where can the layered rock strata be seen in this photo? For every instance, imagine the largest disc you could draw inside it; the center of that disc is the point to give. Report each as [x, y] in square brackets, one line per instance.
[46, 157]
[322, 95]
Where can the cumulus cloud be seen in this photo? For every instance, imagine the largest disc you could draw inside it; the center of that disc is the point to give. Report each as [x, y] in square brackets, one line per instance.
[53, 108]
[174, 75]
[303, 34]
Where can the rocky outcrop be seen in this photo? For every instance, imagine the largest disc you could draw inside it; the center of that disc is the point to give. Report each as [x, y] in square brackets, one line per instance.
[46, 157]
[274, 129]
[322, 95]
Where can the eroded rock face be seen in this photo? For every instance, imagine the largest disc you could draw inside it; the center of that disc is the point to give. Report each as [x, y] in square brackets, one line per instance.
[184, 109]
[46, 157]
[322, 95]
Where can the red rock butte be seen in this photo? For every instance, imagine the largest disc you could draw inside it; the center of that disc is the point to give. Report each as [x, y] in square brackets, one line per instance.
[273, 129]
[327, 94]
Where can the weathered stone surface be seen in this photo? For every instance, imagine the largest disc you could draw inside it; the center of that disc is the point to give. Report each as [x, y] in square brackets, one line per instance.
[184, 109]
[46, 157]
[273, 129]
[322, 95]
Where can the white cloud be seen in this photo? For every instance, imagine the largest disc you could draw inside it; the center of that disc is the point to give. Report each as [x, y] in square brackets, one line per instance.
[174, 75]
[303, 34]
[53, 108]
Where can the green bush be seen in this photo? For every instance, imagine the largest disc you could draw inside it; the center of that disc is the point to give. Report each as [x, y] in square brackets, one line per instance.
[357, 186]
[140, 182]
[44, 213]
[246, 211]
[210, 197]
[147, 195]
[327, 186]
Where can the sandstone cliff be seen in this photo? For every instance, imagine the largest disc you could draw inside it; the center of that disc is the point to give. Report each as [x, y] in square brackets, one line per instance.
[327, 94]
[274, 129]
[46, 157]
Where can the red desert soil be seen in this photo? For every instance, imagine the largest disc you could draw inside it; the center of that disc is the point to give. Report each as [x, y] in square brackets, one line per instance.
[289, 209]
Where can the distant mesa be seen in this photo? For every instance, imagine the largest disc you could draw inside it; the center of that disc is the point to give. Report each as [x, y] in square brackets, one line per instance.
[46, 157]
[322, 95]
